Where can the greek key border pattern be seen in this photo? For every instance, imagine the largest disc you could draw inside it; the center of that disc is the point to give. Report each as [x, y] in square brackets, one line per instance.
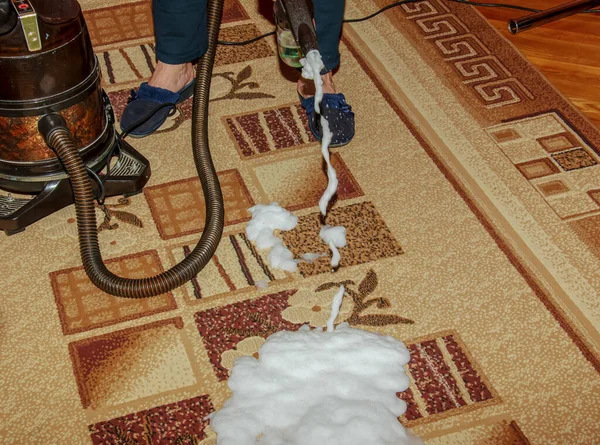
[493, 82]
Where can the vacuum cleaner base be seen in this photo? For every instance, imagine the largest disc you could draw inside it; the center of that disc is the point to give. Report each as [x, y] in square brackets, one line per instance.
[127, 177]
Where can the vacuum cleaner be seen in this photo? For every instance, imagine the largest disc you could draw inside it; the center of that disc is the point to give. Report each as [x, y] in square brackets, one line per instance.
[47, 67]
[58, 144]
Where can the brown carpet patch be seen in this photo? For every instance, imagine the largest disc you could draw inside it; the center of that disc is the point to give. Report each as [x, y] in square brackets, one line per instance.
[574, 159]
[368, 238]
[447, 381]
[538, 168]
[269, 130]
[82, 306]
[305, 180]
[175, 423]
[178, 207]
[558, 142]
[127, 365]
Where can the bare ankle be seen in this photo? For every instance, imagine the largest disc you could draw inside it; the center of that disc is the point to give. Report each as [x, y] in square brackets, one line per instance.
[171, 77]
[306, 87]
[328, 85]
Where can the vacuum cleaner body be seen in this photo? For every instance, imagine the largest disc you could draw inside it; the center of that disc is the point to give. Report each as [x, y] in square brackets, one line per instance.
[47, 65]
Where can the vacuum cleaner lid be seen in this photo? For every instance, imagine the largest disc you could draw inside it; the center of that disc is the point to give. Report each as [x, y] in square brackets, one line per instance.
[56, 12]
[8, 17]
[55, 22]
[46, 53]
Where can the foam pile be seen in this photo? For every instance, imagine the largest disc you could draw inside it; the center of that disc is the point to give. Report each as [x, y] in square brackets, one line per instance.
[318, 387]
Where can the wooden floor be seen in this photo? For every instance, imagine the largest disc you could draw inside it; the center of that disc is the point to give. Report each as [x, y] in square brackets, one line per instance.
[567, 51]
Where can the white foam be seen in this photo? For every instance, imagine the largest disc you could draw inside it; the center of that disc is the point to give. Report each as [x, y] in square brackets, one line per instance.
[335, 308]
[261, 229]
[280, 257]
[335, 387]
[265, 220]
[312, 65]
[311, 257]
[311, 69]
[336, 234]
[332, 181]
[335, 237]
[261, 284]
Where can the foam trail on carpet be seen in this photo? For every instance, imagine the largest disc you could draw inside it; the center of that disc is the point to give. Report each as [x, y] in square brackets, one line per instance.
[311, 257]
[312, 66]
[332, 180]
[335, 308]
[336, 387]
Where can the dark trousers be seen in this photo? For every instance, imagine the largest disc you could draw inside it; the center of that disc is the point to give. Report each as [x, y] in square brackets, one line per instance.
[180, 30]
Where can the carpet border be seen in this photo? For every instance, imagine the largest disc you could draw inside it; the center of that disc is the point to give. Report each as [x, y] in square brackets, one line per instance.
[542, 294]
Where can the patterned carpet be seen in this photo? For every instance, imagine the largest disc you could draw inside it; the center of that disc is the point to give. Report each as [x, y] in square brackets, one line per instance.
[471, 195]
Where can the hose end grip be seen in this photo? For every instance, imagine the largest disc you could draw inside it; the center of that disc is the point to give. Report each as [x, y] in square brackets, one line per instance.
[49, 123]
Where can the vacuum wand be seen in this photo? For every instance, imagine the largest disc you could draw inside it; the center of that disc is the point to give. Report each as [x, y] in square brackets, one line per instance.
[549, 15]
[300, 19]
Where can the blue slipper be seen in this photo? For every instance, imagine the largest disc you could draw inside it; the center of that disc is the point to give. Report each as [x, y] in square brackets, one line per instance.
[146, 103]
[339, 116]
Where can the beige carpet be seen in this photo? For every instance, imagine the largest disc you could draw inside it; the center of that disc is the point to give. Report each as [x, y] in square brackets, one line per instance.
[471, 195]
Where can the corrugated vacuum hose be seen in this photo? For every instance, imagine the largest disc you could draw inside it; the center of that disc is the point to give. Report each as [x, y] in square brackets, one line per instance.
[53, 127]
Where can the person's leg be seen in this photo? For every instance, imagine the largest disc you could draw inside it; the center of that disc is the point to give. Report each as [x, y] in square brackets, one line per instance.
[329, 16]
[180, 31]
[180, 28]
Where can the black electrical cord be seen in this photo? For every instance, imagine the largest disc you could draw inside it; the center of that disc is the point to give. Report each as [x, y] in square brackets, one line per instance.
[376, 13]
[245, 42]
[101, 192]
[120, 137]
[404, 2]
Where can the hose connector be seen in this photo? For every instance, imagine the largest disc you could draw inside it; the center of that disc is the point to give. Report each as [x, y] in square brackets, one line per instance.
[49, 123]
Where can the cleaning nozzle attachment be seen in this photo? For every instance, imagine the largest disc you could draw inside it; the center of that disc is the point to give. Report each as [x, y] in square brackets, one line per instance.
[295, 17]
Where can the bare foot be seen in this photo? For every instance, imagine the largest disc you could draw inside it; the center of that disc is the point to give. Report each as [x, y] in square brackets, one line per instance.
[171, 77]
[306, 87]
